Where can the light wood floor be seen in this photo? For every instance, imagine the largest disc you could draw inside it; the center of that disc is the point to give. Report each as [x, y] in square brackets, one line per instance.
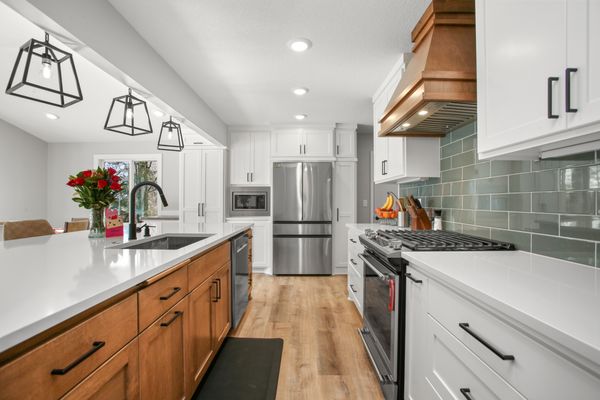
[323, 356]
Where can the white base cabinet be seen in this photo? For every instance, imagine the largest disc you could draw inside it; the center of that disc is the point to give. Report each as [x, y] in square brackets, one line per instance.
[201, 186]
[262, 243]
[449, 342]
[356, 270]
[538, 83]
[344, 212]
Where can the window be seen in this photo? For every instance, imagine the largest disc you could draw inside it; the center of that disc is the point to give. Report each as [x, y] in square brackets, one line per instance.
[134, 169]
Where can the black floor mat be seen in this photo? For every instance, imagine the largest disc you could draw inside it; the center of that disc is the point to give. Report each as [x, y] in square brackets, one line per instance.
[245, 368]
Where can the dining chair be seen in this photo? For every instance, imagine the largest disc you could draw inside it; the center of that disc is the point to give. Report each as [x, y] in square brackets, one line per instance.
[87, 220]
[75, 226]
[29, 228]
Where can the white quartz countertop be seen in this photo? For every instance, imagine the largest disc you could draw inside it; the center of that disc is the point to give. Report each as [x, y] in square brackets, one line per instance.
[362, 227]
[558, 299]
[49, 279]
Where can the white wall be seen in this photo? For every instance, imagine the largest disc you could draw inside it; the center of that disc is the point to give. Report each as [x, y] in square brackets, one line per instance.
[65, 159]
[23, 160]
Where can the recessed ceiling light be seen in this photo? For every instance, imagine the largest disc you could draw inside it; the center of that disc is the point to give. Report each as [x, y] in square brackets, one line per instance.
[423, 112]
[158, 113]
[299, 45]
[300, 117]
[52, 116]
[406, 124]
[300, 91]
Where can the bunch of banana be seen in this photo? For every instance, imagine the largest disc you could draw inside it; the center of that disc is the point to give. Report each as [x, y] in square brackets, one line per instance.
[387, 209]
[389, 203]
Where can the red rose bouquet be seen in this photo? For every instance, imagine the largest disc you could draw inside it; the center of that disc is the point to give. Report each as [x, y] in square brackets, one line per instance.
[95, 190]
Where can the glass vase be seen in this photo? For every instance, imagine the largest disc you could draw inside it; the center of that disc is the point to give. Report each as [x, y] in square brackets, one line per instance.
[97, 227]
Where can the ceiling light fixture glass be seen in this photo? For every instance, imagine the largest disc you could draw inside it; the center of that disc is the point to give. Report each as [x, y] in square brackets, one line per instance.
[170, 138]
[122, 115]
[423, 112]
[406, 125]
[52, 116]
[45, 73]
[300, 117]
[300, 91]
[299, 45]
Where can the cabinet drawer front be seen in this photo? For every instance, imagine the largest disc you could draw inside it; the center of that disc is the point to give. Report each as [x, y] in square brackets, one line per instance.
[201, 268]
[157, 298]
[530, 357]
[72, 355]
[454, 367]
[117, 379]
[355, 284]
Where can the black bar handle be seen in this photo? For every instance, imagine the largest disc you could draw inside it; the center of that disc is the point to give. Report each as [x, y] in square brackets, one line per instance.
[352, 261]
[218, 288]
[353, 241]
[337, 149]
[352, 287]
[304, 149]
[63, 371]
[551, 80]
[338, 214]
[169, 322]
[506, 357]
[568, 73]
[173, 293]
[467, 393]
[409, 276]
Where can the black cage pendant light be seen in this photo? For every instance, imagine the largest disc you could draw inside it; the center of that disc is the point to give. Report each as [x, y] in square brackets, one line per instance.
[45, 73]
[170, 138]
[128, 115]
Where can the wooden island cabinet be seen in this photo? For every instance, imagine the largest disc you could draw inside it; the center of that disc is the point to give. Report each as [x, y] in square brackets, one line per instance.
[154, 342]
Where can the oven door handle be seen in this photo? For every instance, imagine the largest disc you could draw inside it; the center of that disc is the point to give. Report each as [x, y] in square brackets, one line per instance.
[382, 276]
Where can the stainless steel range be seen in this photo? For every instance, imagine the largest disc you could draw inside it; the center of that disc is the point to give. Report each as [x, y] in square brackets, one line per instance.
[385, 297]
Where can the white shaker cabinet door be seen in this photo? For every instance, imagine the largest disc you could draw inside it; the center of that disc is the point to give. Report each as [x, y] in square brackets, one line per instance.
[583, 63]
[212, 186]
[190, 190]
[318, 143]
[240, 152]
[345, 143]
[287, 142]
[521, 54]
[344, 209]
[261, 158]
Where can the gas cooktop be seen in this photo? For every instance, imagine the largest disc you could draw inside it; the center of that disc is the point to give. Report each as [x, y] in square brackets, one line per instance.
[391, 242]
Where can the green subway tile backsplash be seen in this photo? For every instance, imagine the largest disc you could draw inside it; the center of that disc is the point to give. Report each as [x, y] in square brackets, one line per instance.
[549, 207]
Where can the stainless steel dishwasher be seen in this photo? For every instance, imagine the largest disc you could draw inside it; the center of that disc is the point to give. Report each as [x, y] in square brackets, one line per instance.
[239, 278]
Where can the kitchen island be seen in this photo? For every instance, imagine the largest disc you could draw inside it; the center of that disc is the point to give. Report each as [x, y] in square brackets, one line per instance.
[47, 280]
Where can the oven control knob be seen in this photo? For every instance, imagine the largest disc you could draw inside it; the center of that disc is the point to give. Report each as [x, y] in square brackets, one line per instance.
[396, 244]
[370, 233]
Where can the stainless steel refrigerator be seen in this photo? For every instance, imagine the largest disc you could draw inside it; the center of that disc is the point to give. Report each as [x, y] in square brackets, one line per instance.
[302, 218]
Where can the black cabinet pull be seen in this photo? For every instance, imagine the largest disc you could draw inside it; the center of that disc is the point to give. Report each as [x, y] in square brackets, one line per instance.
[409, 276]
[352, 287]
[251, 176]
[337, 149]
[353, 241]
[304, 149]
[352, 261]
[169, 322]
[173, 292]
[568, 73]
[465, 326]
[300, 149]
[63, 371]
[467, 393]
[247, 176]
[551, 80]
[338, 214]
[218, 288]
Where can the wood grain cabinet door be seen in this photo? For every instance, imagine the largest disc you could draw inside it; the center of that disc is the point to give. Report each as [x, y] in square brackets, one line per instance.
[118, 379]
[222, 308]
[162, 356]
[200, 337]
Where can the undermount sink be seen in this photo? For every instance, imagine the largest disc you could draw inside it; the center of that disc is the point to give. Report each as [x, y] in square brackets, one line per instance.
[163, 242]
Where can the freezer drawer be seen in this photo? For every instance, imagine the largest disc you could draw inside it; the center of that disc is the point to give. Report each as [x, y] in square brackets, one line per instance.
[301, 229]
[302, 255]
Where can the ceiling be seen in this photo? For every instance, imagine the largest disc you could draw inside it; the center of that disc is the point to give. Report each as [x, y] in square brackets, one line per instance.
[233, 53]
[81, 122]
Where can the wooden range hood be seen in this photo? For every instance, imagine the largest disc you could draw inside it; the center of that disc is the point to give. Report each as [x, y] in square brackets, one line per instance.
[441, 77]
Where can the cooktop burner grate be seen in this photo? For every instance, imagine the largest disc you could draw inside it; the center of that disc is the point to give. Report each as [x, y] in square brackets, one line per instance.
[443, 241]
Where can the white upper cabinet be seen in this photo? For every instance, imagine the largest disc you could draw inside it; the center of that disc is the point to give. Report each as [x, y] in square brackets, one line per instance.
[302, 143]
[345, 142]
[250, 158]
[400, 159]
[201, 186]
[538, 72]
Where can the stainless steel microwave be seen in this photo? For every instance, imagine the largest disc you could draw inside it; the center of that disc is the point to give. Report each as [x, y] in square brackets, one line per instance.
[249, 201]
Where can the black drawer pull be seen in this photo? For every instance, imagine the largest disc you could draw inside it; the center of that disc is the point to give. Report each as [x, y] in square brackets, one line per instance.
[568, 73]
[352, 287]
[353, 241]
[352, 261]
[505, 357]
[63, 371]
[169, 322]
[218, 288]
[409, 276]
[467, 393]
[551, 80]
[173, 292]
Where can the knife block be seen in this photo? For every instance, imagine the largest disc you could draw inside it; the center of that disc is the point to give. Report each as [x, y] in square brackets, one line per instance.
[419, 220]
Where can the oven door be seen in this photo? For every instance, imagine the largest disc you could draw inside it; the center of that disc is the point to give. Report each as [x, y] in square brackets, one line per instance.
[381, 316]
